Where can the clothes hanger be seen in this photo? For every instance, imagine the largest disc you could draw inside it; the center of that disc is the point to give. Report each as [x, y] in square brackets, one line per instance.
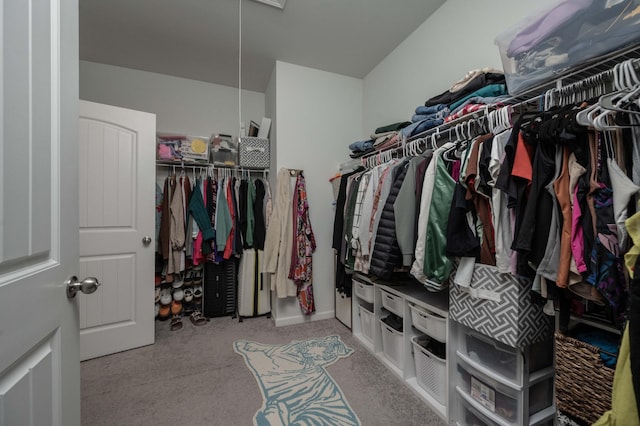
[434, 137]
[628, 85]
[493, 120]
[450, 154]
[631, 83]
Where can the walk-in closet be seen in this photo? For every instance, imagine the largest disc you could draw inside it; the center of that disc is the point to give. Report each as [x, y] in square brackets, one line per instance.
[213, 201]
[350, 213]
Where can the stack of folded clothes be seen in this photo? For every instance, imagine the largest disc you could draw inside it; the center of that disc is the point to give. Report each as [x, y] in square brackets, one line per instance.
[382, 137]
[477, 89]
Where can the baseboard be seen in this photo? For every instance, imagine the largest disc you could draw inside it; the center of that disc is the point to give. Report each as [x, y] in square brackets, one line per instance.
[299, 319]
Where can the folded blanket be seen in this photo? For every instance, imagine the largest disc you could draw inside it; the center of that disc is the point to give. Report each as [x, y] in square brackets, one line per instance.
[392, 127]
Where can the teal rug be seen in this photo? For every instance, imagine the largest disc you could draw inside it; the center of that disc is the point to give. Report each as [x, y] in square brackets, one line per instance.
[295, 385]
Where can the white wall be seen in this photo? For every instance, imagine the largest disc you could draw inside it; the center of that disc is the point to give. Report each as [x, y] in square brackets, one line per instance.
[270, 103]
[181, 105]
[318, 115]
[458, 37]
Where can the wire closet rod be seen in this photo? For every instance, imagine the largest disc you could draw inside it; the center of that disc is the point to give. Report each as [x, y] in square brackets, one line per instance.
[209, 166]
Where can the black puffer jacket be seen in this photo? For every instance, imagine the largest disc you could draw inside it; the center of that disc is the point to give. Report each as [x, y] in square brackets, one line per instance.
[386, 252]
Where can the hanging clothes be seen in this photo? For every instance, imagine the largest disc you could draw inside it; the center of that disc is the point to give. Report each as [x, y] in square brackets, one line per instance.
[404, 211]
[176, 231]
[386, 252]
[259, 228]
[437, 265]
[165, 222]
[417, 269]
[304, 244]
[278, 247]
[342, 277]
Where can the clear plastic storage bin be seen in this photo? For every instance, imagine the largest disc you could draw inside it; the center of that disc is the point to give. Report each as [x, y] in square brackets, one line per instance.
[500, 399]
[224, 150]
[501, 358]
[469, 416]
[563, 38]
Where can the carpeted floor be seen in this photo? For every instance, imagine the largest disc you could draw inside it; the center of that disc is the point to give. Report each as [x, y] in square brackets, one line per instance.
[194, 377]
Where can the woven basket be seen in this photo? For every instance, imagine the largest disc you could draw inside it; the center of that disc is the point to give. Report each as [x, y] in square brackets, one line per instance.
[583, 382]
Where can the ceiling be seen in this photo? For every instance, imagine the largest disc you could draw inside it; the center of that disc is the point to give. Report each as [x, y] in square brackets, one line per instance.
[198, 39]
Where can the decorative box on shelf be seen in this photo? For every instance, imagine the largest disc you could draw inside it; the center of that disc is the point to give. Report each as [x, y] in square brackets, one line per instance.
[500, 307]
[254, 153]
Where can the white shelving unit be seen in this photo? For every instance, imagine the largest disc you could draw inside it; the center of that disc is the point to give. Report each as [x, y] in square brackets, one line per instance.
[369, 296]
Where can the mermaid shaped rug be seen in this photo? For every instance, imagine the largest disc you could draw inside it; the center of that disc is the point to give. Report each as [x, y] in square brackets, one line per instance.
[295, 385]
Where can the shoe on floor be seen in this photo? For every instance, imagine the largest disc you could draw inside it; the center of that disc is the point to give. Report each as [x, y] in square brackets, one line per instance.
[197, 318]
[176, 323]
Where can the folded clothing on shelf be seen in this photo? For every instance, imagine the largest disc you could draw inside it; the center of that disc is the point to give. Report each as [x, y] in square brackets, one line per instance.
[393, 321]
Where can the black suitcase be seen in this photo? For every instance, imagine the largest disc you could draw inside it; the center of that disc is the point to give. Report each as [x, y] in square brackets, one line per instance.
[220, 288]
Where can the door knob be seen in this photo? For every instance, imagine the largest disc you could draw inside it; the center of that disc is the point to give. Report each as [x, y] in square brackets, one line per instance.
[87, 286]
[146, 240]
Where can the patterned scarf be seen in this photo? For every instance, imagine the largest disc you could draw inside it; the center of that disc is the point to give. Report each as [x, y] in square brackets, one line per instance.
[304, 244]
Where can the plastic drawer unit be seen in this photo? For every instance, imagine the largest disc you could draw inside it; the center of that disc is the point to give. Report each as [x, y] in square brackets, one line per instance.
[469, 416]
[504, 403]
[503, 359]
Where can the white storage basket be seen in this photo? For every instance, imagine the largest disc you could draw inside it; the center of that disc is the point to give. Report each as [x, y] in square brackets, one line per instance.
[392, 344]
[392, 303]
[363, 291]
[431, 371]
[367, 324]
[429, 323]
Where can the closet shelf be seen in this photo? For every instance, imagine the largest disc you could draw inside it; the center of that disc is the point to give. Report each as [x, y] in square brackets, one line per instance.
[600, 68]
[595, 323]
[196, 165]
[600, 65]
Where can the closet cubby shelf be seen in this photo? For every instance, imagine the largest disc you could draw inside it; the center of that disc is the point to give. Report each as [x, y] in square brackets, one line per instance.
[368, 329]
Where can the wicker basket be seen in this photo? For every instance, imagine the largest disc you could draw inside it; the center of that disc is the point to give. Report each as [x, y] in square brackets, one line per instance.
[583, 382]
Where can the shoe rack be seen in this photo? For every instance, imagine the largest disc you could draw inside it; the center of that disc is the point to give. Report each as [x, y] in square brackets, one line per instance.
[179, 296]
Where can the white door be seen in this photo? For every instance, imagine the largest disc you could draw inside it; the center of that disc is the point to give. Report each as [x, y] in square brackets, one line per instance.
[39, 356]
[117, 214]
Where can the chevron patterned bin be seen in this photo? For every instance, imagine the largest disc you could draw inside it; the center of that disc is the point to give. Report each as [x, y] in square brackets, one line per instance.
[507, 315]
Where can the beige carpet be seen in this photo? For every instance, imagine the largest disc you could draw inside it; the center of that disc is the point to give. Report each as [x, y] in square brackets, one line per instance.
[193, 376]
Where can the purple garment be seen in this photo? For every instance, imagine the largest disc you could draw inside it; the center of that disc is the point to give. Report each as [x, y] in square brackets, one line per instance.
[577, 234]
[455, 170]
[545, 25]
